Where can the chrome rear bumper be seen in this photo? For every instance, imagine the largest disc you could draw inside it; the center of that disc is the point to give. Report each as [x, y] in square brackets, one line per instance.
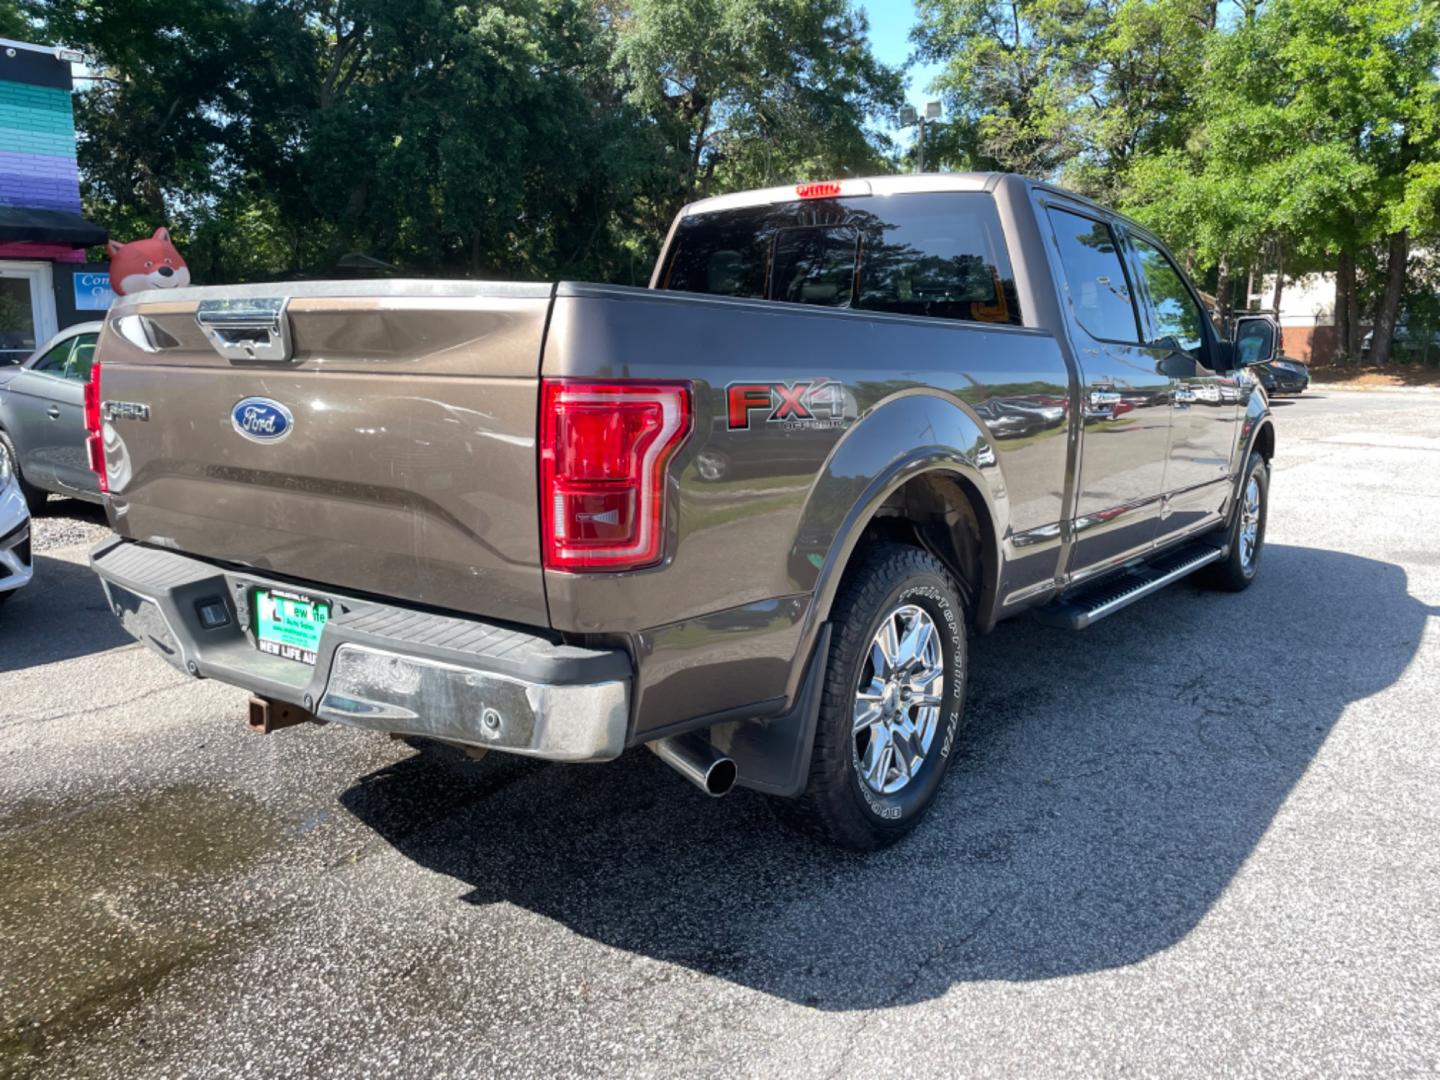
[379, 667]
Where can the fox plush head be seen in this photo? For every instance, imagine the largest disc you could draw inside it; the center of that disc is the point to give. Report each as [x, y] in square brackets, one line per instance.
[147, 264]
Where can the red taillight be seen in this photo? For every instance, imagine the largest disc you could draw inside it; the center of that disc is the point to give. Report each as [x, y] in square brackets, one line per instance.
[94, 446]
[822, 189]
[604, 448]
[92, 401]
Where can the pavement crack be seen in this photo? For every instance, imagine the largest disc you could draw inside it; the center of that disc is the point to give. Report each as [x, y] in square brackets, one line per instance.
[46, 718]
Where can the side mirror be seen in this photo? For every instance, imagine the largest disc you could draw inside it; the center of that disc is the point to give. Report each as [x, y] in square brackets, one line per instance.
[1256, 340]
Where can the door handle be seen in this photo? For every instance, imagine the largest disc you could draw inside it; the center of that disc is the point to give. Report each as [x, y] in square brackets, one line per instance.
[53, 412]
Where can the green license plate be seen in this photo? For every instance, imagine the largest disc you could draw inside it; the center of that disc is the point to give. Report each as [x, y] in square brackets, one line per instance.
[288, 624]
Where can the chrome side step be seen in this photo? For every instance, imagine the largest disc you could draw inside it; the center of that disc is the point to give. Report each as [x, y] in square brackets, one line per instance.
[1091, 602]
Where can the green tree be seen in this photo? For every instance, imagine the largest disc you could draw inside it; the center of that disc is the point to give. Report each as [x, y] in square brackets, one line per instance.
[1064, 89]
[1007, 81]
[523, 138]
[15, 22]
[1316, 129]
[752, 92]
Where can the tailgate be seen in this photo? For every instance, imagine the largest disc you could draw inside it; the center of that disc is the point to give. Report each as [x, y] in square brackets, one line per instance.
[389, 447]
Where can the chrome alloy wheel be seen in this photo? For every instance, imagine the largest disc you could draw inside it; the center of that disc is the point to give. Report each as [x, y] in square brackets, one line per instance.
[897, 699]
[1249, 523]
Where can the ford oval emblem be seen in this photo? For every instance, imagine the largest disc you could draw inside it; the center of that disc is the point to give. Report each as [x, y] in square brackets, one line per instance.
[262, 420]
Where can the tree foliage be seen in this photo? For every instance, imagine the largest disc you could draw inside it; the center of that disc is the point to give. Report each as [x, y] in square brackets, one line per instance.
[530, 138]
[537, 138]
[1245, 133]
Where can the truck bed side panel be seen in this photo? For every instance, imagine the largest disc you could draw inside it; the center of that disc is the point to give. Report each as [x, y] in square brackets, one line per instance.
[740, 548]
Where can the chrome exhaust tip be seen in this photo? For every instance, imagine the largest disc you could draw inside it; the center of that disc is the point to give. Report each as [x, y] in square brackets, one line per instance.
[697, 761]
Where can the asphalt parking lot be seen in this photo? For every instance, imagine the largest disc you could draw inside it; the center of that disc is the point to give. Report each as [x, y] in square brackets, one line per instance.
[1201, 838]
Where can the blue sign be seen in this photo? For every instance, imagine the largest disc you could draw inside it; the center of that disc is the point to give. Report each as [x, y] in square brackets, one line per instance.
[261, 420]
[92, 291]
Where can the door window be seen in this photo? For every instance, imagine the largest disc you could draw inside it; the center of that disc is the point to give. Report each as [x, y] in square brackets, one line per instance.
[82, 358]
[55, 359]
[1179, 322]
[1095, 277]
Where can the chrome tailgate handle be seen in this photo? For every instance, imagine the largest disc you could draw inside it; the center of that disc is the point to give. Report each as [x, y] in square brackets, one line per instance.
[250, 329]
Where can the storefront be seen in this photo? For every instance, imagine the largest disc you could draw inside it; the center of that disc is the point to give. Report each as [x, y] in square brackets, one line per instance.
[45, 283]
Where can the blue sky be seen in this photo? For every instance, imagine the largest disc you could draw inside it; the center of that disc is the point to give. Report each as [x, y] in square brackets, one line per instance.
[890, 25]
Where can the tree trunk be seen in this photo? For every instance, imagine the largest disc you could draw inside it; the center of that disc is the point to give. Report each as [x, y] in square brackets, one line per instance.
[1222, 290]
[1389, 310]
[1279, 277]
[1249, 285]
[1347, 308]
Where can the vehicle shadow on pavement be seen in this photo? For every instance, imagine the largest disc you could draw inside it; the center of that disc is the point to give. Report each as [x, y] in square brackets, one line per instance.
[1111, 785]
[60, 615]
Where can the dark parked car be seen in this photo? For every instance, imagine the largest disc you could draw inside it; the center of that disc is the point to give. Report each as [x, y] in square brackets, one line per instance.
[42, 417]
[1257, 347]
[1282, 376]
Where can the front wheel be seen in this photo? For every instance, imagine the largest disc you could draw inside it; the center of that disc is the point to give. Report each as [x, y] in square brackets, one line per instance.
[894, 692]
[1247, 530]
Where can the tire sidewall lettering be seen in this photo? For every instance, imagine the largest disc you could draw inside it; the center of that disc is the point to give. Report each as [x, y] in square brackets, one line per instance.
[936, 600]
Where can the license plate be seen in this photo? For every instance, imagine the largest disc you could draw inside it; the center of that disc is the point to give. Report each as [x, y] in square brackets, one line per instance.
[288, 624]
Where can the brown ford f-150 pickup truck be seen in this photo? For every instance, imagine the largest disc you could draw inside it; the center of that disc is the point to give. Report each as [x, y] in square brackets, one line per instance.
[746, 517]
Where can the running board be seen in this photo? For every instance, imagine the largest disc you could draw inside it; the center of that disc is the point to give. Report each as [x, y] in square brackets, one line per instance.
[1092, 602]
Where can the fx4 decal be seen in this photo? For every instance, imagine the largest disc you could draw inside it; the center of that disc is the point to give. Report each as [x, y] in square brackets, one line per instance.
[818, 403]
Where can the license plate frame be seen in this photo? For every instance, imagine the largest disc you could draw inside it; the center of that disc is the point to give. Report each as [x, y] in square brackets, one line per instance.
[288, 624]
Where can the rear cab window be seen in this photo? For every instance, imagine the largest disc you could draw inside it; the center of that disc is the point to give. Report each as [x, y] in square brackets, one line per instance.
[935, 254]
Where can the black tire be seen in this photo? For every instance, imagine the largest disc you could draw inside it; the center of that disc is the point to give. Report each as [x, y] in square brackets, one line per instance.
[838, 805]
[35, 498]
[1239, 568]
[6, 596]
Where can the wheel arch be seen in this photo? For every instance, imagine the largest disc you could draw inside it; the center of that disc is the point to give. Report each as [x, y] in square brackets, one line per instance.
[1262, 440]
[869, 490]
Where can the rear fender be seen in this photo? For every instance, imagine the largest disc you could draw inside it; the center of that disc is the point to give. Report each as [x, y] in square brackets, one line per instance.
[906, 436]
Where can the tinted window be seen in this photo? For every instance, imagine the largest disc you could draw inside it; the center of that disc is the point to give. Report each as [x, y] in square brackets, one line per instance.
[1178, 318]
[53, 362]
[1095, 277]
[940, 255]
[814, 265]
[82, 358]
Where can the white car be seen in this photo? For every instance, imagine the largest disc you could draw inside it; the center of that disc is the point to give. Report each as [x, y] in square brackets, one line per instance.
[15, 568]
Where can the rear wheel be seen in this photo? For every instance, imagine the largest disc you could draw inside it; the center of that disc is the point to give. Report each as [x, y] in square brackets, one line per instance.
[34, 497]
[1247, 530]
[894, 692]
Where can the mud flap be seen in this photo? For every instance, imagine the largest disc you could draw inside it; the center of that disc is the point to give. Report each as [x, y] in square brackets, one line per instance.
[773, 755]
